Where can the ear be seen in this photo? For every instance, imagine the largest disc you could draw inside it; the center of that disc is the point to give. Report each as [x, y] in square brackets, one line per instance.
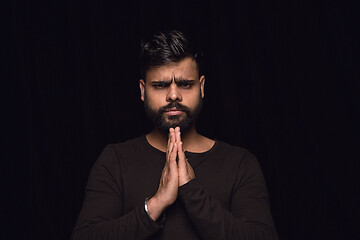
[142, 89]
[202, 86]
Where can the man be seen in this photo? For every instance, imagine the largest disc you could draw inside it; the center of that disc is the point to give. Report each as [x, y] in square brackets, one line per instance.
[208, 189]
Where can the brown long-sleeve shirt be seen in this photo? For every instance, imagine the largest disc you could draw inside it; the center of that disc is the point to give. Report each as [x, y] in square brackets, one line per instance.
[226, 200]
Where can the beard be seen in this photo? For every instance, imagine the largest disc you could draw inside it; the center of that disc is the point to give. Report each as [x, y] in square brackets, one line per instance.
[164, 123]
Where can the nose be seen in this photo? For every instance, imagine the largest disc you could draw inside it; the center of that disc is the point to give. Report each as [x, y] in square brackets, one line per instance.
[174, 94]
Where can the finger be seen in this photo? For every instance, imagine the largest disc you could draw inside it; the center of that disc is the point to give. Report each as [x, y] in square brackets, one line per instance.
[188, 166]
[170, 142]
[181, 156]
[190, 170]
[172, 159]
[170, 150]
[173, 135]
[169, 137]
[173, 153]
[177, 134]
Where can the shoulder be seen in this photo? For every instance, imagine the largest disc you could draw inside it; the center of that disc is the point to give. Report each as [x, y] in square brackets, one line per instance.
[113, 156]
[112, 153]
[245, 162]
[240, 156]
[131, 145]
[232, 150]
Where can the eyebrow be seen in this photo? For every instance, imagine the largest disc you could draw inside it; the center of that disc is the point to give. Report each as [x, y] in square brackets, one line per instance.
[176, 80]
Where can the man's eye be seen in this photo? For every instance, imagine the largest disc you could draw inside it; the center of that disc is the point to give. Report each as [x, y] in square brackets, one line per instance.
[185, 84]
[159, 85]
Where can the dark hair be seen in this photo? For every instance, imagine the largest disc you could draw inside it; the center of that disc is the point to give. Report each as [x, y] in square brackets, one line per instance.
[163, 48]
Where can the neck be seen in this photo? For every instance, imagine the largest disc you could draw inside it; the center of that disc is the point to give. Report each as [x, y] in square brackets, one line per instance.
[158, 139]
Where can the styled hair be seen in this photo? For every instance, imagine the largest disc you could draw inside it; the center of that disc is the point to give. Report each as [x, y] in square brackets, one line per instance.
[163, 48]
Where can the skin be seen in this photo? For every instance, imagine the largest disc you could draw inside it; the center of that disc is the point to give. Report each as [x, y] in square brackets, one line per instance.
[180, 82]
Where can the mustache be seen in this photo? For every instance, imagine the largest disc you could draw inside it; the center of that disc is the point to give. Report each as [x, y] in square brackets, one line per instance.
[176, 105]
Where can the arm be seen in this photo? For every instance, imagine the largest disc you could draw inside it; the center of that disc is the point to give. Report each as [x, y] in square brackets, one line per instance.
[249, 216]
[168, 186]
[101, 216]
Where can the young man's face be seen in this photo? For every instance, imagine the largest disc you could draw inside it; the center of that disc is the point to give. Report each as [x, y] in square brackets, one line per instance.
[173, 94]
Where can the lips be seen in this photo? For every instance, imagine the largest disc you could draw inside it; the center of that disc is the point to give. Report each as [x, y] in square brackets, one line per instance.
[173, 111]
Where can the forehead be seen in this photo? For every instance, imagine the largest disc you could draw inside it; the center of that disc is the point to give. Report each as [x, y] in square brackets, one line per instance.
[184, 69]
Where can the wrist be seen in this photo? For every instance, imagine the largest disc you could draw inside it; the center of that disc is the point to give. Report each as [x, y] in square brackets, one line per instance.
[154, 208]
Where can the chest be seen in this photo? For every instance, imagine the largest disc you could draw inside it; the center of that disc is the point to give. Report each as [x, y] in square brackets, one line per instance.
[140, 178]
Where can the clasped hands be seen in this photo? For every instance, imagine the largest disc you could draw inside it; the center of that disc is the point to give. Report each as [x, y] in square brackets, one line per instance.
[176, 172]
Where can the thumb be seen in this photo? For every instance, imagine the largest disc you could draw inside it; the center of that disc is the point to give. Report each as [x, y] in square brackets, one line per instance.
[182, 157]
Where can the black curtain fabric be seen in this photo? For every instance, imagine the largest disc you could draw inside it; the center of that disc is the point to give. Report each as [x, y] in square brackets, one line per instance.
[282, 80]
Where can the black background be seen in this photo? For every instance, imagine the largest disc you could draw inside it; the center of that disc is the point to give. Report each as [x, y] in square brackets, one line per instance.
[282, 80]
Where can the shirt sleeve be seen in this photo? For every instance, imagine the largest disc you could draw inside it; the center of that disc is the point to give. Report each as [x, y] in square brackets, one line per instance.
[249, 216]
[101, 216]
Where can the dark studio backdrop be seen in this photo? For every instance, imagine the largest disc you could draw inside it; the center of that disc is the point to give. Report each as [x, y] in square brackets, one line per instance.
[282, 80]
